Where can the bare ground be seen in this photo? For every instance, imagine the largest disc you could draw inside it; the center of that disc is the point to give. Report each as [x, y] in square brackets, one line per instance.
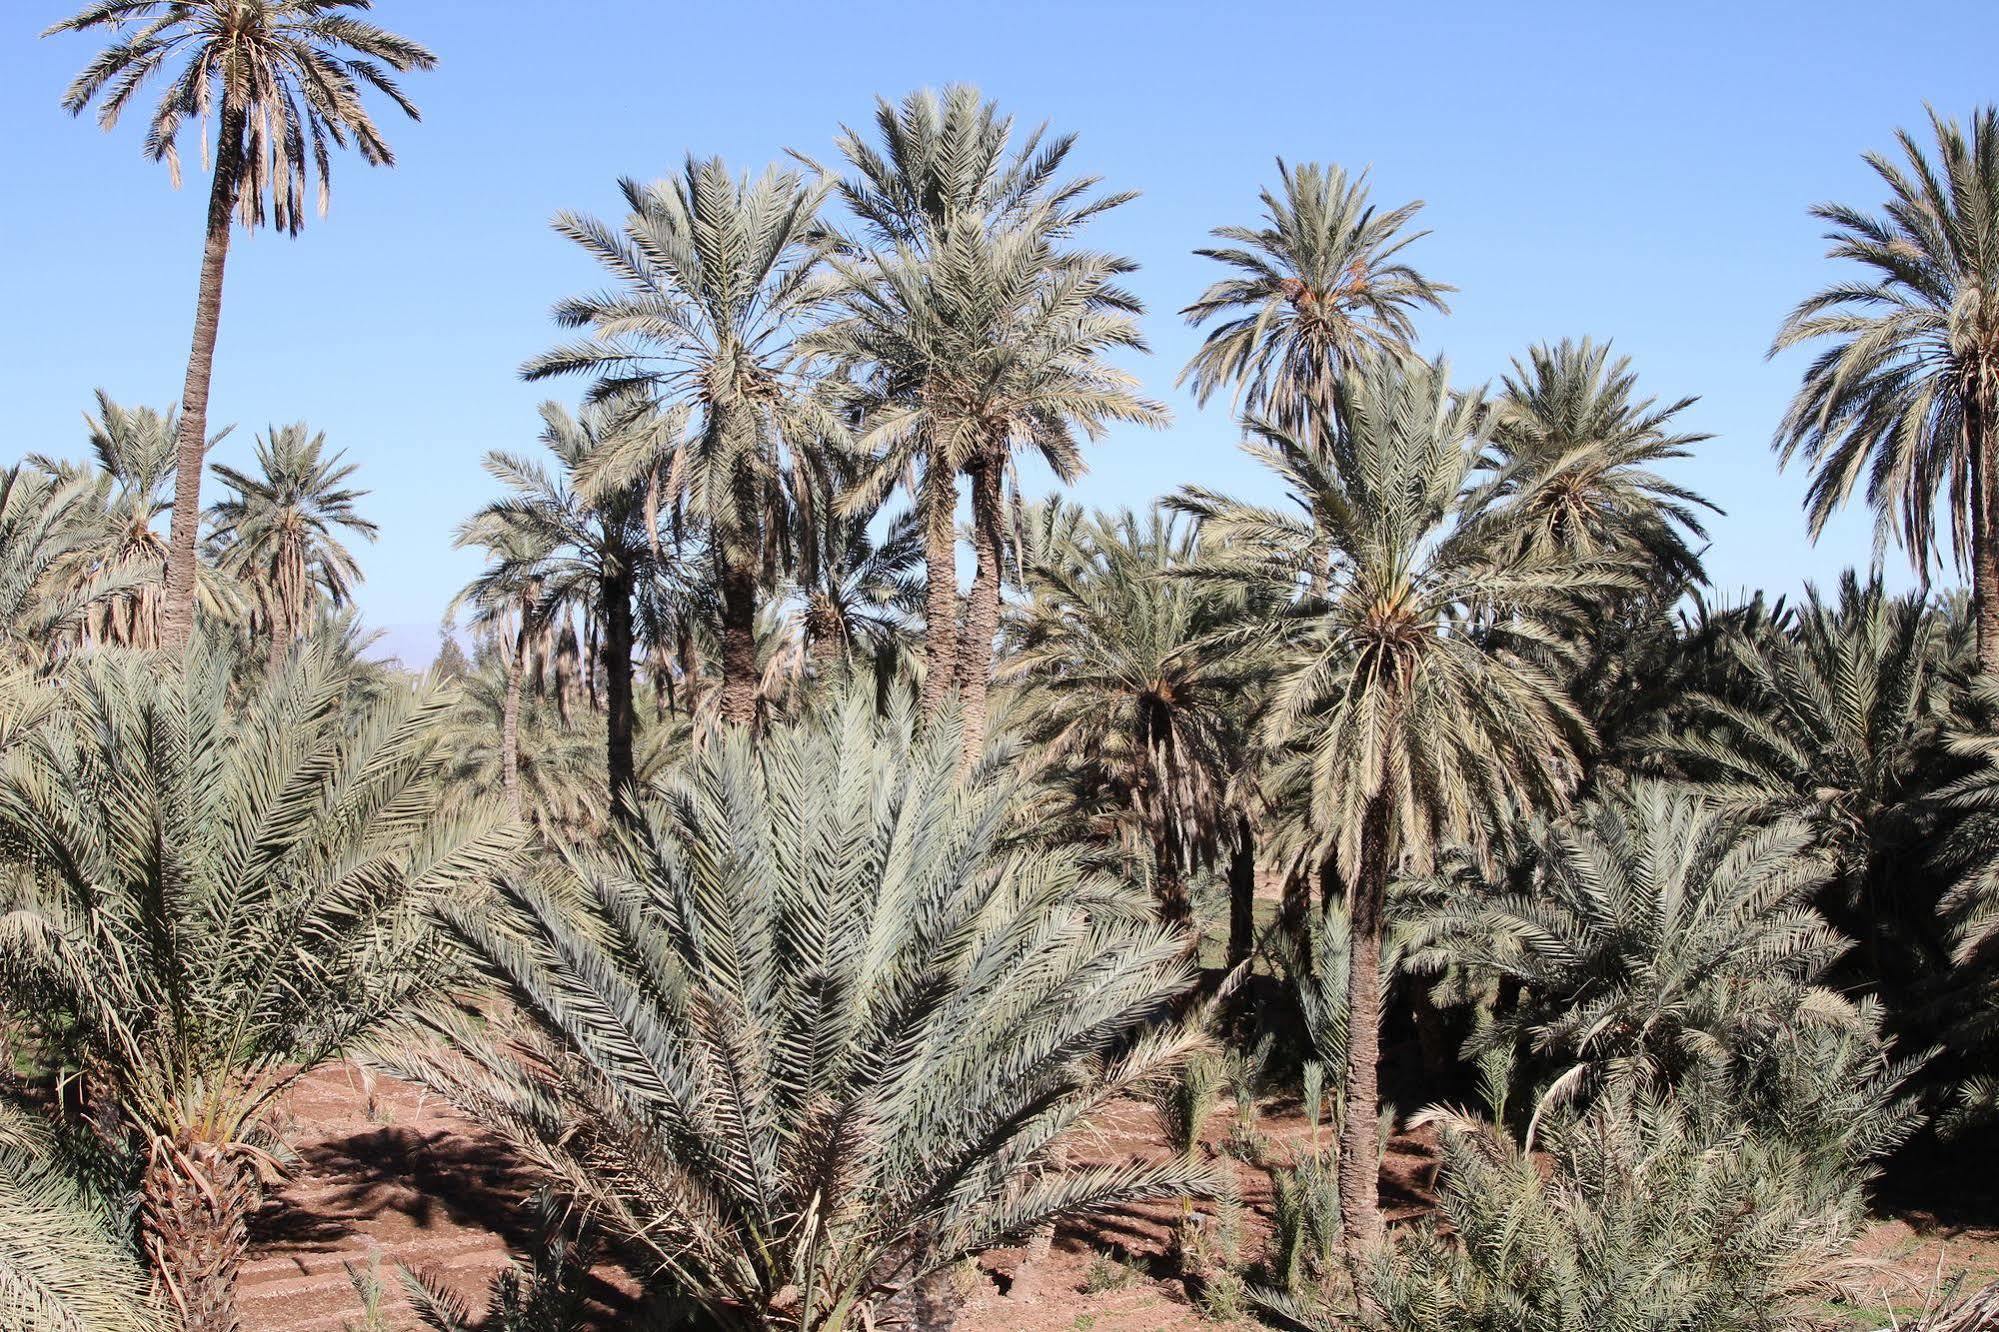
[388, 1174]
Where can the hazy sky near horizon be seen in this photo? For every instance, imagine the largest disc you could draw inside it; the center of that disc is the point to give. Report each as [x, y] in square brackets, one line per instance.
[1638, 172]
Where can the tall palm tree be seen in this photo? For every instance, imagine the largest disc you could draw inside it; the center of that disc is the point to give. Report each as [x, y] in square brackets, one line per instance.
[971, 330]
[713, 275]
[221, 896]
[278, 531]
[1415, 686]
[1906, 393]
[815, 1029]
[1580, 449]
[1321, 284]
[506, 602]
[283, 82]
[1128, 697]
[590, 548]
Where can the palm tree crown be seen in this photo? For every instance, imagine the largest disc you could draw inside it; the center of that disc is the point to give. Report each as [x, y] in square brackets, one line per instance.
[1319, 286]
[1906, 393]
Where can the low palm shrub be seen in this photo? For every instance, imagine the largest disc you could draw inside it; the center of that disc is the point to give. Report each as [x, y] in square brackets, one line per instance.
[813, 1027]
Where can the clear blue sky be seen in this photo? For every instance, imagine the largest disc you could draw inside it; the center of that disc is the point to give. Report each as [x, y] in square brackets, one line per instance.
[1630, 171]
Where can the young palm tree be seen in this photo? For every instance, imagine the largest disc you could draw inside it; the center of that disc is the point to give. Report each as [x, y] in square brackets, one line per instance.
[590, 548]
[971, 330]
[713, 275]
[1835, 716]
[1127, 698]
[220, 898]
[1659, 939]
[53, 529]
[1906, 394]
[860, 590]
[1579, 450]
[277, 531]
[282, 81]
[134, 449]
[63, 1265]
[815, 1028]
[1414, 684]
[1314, 290]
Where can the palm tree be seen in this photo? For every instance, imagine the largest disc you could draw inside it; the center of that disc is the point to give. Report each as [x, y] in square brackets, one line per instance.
[1415, 687]
[590, 548]
[220, 898]
[282, 80]
[1907, 392]
[970, 330]
[815, 1028]
[1659, 938]
[1836, 716]
[52, 531]
[859, 589]
[63, 1265]
[713, 275]
[507, 595]
[1127, 698]
[1579, 449]
[277, 531]
[1311, 292]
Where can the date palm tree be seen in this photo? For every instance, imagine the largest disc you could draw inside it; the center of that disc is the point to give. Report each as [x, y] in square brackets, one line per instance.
[220, 897]
[505, 602]
[1321, 284]
[1127, 696]
[591, 548]
[283, 83]
[1579, 448]
[713, 275]
[817, 1027]
[971, 329]
[52, 533]
[1905, 392]
[278, 531]
[1414, 684]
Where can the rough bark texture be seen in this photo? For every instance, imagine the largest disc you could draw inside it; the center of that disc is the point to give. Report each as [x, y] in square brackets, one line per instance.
[1360, 1150]
[739, 640]
[1984, 535]
[982, 605]
[823, 641]
[940, 598]
[190, 449]
[196, 1204]
[1242, 893]
[617, 596]
[510, 723]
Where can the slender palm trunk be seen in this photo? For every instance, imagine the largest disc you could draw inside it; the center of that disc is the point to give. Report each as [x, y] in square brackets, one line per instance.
[196, 1206]
[1984, 533]
[510, 721]
[1242, 893]
[616, 589]
[1360, 1149]
[982, 608]
[739, 635]
[190, 449]
[940, 598]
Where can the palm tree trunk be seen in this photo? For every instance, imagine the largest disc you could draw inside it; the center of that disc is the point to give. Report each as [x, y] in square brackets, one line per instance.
[975, 650]
[739, 638]
[616, 591]
[191, 448]
[510, 722]
[196, 1206]
[1984, 535]
[1360, 1150]
[1242, 893]
[940, 598]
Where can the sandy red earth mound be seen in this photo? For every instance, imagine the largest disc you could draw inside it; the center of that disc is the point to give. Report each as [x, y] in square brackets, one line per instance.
[387, 1173]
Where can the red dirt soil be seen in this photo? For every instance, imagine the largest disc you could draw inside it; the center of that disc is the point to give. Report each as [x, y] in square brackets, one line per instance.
[386, 1171]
